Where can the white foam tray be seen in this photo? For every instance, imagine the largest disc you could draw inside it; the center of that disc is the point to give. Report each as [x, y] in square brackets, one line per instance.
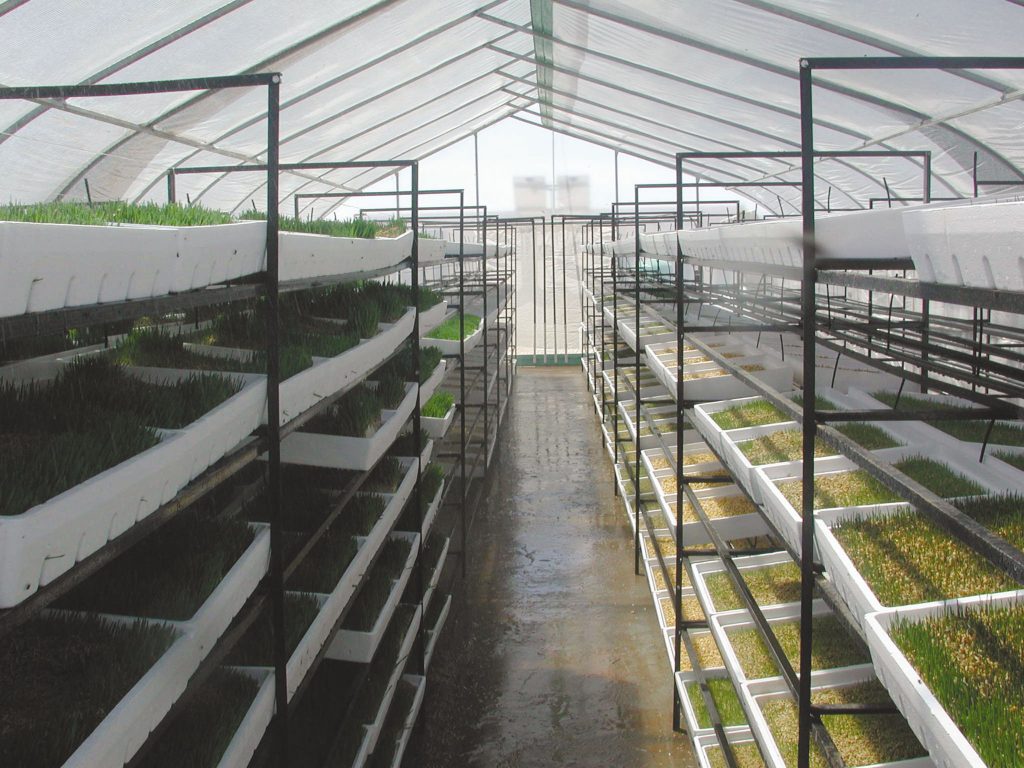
[246, 740]
[437, 427]
[53, 266]
[356, 646]
[974, 245]
[304, 390]
[318, 632]
[47, 540]
[127, 726]
[434, 632]
[431, 513]
[721, 623]
[432, 317]
[435, 575]
[451, 346]
[305, 256]
[344, 452]
[926, 716]
[410, 721]
[373, 729]
[755, 693]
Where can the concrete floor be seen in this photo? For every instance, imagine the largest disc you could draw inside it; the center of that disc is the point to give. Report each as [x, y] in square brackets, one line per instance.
[551, 656]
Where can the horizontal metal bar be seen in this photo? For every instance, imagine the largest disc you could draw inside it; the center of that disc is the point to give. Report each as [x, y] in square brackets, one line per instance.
[340, 165]
[964, 295]
[829, 262]
[743, 327]
[140, 88]
[913, 62]
[915, 414]
[853, 709]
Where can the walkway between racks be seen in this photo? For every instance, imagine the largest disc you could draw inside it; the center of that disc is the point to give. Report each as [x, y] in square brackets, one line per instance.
[552, 656]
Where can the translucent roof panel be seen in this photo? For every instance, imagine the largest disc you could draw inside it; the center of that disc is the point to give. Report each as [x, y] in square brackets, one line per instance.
[386, 79]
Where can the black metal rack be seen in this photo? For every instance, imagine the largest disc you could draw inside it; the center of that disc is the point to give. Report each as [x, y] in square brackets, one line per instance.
[267, 442]
[894, 330]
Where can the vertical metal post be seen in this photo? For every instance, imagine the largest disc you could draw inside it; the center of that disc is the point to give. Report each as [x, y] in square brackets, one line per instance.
[462, 373]
[974, 173]
[807, 291]
[416, 416]
[616, 174]
[295, 202]
[272, 310]
[565, 316]
[544, 281]
[172, 187]
[926, 193]
[925, 341]
[615, 357]
[636, 374]
[676, 703]
[476, 171]
[554, 290]
[398, 202]
[487, 433]
[533, 281]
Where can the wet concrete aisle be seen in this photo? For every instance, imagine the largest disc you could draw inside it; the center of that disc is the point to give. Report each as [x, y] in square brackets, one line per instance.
[551, 656]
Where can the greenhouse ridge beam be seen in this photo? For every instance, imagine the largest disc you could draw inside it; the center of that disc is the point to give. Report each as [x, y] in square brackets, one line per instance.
[615, 110]
[633, 65]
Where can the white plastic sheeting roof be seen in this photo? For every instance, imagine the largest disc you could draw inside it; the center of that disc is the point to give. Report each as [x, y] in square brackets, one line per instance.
[405, 78]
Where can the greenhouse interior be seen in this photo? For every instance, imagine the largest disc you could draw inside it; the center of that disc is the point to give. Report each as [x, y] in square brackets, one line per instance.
[460, 306]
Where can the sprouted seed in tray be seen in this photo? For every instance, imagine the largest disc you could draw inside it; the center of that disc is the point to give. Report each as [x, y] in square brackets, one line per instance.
[438, 405]
[76, 665]
[449, 329]
[717, 507]
[201, 732]
[968, 430]
[374, 593]
[759, 413]
[430, 484]
[356, 414]
[771, 585]
[905, 558]
[832, 647]
[860, 739]
[91, 417]
[358, 228]
[971, 661]
[255, 649]
[857, 488]
[1013, 459]
[726, 701]
[746, 754]
[787, 445]
[113, 212]
[168, 575]
[659, 576]
[691, 610]
[325, 564]
[385, 477]
[708, 655]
